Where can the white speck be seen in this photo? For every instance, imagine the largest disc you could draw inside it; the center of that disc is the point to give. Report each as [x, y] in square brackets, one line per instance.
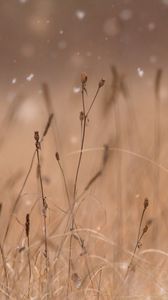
[28, 111]
[137, 196]
[61, 32]
[151, 26]
[88, 53]
[30, 77]
[80, 14]
[76, 89]
[165, 2]
[13, 80]
[77, 59]
[62, 44]
[140, 72]
[112, 27]
[162, 291]
[153, 59]
[124, 265]
[126, 14]
[22, 1]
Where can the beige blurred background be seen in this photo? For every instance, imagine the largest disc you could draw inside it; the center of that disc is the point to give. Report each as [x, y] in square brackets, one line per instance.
[54, 41]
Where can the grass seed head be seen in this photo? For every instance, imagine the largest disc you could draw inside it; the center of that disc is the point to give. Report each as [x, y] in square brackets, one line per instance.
[101, 83]
[146, 203]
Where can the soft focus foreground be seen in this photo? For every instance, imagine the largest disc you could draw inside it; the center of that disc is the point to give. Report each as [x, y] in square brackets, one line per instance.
[83, 209]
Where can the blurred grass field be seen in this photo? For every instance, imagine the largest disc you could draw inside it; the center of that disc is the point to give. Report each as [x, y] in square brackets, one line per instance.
[124, 161]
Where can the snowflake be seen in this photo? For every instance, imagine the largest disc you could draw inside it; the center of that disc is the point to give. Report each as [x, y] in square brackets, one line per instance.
[62, 44]
[153, 59]
[30, 77]
[151, 26]
[80, 14]
[88, 53]
[165, 2]
[13, 80]
[140, 72]
[111, 27]
[76, 89]
[126, 14]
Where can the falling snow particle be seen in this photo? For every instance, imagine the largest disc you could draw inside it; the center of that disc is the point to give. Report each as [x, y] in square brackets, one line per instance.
[124, 265]
[61, 32]
[76, 89]
[62, 45]
[22, 1]
[88, 53]
[165, 2]
[112, 27]
[80, 14]
[28, 111]
[153, 59]
[30, 77]
[13, 80]
[126, 14]
[162, 291]
[151, 26]
[140, 72]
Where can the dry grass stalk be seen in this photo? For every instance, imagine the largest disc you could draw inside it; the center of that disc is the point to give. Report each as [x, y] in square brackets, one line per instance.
[44, 210]
[6, 289]
[83, 118]
[157, 142]
[25, 182]
[139, 236]
[27, 231]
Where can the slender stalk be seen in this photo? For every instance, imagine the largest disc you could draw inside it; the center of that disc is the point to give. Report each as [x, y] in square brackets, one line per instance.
[139, 236]
[83, 116]
[27, 229]
[157, 145]
[44, 205]
[26, 179]
[5, 272]
[18, 197]
[99, 286]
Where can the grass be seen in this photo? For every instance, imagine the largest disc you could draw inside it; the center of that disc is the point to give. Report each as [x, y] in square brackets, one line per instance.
[87, 230]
